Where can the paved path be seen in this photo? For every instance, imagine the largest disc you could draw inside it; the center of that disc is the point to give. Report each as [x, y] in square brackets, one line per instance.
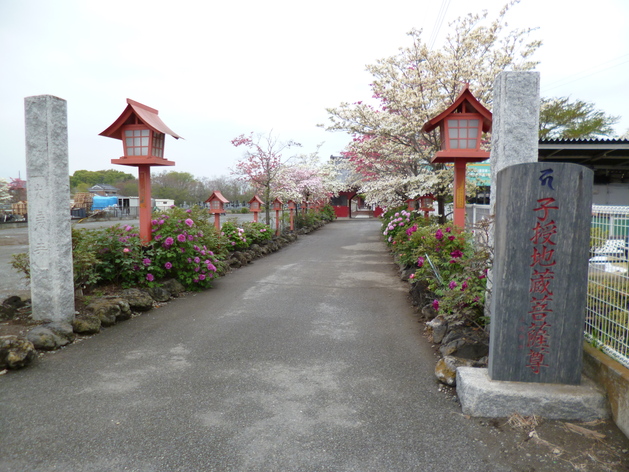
[308, 360]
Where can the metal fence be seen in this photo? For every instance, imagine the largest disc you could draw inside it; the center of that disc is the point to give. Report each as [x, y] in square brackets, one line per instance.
[607, 311]
[607, 323]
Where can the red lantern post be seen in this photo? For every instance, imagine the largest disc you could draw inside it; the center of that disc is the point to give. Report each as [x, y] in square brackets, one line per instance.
[292, 206]
[255, 205]
[142, 134]
[277, 206]
[217, 206]
[461, 127]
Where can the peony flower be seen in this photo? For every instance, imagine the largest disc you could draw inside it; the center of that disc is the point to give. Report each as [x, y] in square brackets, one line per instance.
[439, 234]
[463, 286]
[150, 277]
[201, 276]
[126, 249]
[435, 304]
[189, 222]
[168, 242]
[456, 253]
[451, 238]
[420, 261]
[412, 276]
[452, 285]
[146, 262]
[188, 210]
[197, 260]
[168, 265]
[181, 238]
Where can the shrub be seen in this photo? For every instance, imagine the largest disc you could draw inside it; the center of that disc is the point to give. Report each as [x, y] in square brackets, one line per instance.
[235, 236]
[257, 233]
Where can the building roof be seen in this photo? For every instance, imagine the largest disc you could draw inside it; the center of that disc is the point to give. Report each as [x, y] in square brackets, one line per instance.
[609, 158]
[145, 113]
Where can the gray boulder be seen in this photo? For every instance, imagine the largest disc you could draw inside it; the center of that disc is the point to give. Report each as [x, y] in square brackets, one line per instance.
[45, 339]
[437, 328]
[174, 287]
[138, 300]
[86, 324]
[112, 309]
[16, 352]
[466, 343]
[62, 329]
[445, 370]
[159, 294]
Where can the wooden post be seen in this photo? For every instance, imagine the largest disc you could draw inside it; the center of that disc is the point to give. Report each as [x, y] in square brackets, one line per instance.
[144, 191]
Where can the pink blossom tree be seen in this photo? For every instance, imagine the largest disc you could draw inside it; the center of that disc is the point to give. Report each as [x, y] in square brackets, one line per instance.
[261, 163]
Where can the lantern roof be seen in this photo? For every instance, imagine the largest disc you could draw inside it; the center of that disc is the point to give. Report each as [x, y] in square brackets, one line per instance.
[145, 114]
[256, 199]
[216, 195]
[466, 102]
[277, 200]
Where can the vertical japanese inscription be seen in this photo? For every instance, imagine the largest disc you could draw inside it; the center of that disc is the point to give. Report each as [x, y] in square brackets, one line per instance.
[543, 262]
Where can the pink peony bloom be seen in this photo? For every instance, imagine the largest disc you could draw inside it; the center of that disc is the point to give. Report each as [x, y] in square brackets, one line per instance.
[439, 234]
[181, 238]
[146, 262]
[168, 242]
[420, 261]
[412, 276]
[126, 249]
[435, 304]
[189, 222]
[150, 277]
[202, 277]
[452, 285]
[168, 265]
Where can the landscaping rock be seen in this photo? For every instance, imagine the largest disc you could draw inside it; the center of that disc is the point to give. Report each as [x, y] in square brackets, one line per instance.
[62, 329]
[174, 287]
[112, 309]
[159, 294]
[138, 300]
[428, 312]
[445, 370]
[14, 302]
[466, 343]
[86, 324]
[437, 329]
[16, 352]
[45, 339]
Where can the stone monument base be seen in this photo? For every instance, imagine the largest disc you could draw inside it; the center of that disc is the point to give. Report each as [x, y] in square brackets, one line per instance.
[482, 397]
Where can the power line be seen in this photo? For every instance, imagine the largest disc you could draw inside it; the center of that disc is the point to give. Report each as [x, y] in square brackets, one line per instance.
[438, 22]
[588, 73]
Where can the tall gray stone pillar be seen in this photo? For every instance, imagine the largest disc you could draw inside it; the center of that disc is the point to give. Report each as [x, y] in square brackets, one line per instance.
[48, 186]
[515, 125]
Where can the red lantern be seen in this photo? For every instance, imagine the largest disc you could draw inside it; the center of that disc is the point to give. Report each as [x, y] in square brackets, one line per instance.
[142, 133]
[461, 127]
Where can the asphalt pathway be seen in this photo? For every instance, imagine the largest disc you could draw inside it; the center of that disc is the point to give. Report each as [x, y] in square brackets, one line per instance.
[307, 360]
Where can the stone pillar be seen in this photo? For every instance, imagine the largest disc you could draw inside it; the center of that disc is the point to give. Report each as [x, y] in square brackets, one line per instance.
[49, 230]
[540, 273]
[515, 125]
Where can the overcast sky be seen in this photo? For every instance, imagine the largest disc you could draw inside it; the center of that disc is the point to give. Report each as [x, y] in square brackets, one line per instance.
[216, 69]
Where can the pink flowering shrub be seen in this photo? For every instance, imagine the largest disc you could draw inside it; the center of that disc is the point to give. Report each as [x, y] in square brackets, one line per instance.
[235, 236]
[185, 247]
[257, 233]
[447, 261]
[455, 269]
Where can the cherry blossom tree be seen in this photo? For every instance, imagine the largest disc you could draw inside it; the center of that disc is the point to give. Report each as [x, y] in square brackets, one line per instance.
[261, 163]
[5, 196]
[389, 152]
[305, 179]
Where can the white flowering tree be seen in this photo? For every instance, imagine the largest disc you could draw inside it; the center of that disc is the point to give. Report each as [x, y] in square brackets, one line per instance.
[305, 179]
[5, 196]
[389, 152]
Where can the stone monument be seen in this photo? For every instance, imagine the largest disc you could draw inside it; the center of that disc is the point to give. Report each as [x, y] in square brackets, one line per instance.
[541, 236]
[48, 186]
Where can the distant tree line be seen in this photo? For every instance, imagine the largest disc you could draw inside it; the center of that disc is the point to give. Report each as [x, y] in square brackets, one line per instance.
[182, 187]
